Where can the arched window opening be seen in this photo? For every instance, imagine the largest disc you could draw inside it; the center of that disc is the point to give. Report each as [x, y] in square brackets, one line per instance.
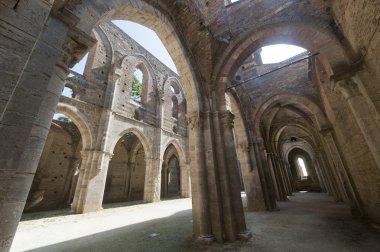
[148, 39]
[302, 168]
[68, 92]
[174, 88]
[174, 107]
[137, 84]
[228, 101]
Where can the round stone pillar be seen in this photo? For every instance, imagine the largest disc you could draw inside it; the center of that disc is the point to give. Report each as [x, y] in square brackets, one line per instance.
[227, 120]
[199, 186]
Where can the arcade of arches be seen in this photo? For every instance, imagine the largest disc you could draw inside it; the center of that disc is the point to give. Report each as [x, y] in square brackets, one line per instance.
[226, 122]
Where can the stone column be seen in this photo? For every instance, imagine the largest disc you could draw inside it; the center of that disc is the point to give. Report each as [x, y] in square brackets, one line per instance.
[273, 176]
[201, 214]
[220, 185]
[227, 120]
[291, 179]
[185, 180]
[152, 187]
[251, 178]
[281, 173]
[25, 120]
[78, 189]
[336, 163]
[325, 174]
[92, 181]
[286, 176]
[270, 192]
[331, 176]
[347, 185]
[319, 175]
[164, 181]
[362, 113]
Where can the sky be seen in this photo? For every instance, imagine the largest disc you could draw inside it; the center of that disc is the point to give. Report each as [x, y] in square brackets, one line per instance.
[277, 53]
[150, 41]
[145, 37]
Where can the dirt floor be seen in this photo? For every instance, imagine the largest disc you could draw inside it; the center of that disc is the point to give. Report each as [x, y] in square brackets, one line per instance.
[307, 222]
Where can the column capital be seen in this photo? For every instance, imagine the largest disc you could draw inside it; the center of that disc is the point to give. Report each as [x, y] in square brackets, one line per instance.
[344, 73]
[86, 153]
[76, 45]
[154, 159]
[227, 118]
[246, 147]
[348, 87]
[193, 120]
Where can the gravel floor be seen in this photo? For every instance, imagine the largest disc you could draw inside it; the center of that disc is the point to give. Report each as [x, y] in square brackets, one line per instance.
[307, 222]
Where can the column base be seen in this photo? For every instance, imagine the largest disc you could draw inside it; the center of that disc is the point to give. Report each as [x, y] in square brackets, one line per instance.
[205, 239]
[244, 236]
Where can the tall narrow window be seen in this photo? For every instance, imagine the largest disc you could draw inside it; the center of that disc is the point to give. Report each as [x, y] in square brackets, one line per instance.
[174, 107]
[302, 167]
[137, 85]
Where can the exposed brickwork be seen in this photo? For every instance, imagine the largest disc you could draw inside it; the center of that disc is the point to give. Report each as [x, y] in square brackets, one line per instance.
[330, 103]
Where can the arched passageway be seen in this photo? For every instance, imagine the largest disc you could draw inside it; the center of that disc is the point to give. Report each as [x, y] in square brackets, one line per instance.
[54, 184]
[170, 173]
[126, 171]
[303, 171]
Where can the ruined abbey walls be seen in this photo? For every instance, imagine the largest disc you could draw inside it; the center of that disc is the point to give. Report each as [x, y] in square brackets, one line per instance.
[138, 131]
[208, 41]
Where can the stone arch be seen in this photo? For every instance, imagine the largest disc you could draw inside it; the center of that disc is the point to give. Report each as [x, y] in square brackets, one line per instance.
[80, 120]
[142, 138]
[174, 106]
[56, 176]
[176, 121]
[171, 80]
[149, 78]
[278, 133]
[143, 64]
[317, 36]
[308, 148]
[275, 133]
[99, 65]
[313, 180]
[126, 177]
[92, 13]
[134, 151]
[170, 187]
[301, 102]
[181, 153]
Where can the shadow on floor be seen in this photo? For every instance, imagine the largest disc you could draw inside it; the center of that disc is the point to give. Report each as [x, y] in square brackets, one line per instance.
[46, 214]
[174, 234]
[307, 222]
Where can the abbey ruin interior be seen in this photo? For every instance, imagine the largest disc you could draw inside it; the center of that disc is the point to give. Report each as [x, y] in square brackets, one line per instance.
[247, 145]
